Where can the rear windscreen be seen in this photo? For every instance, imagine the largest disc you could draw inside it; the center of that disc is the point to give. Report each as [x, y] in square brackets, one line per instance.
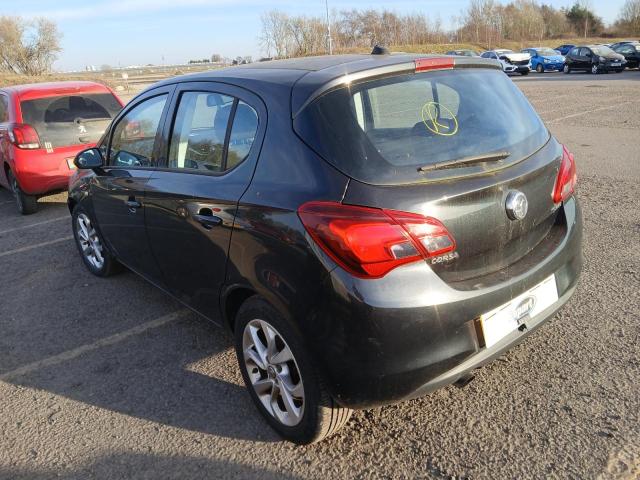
[383, 131]
[70, 120]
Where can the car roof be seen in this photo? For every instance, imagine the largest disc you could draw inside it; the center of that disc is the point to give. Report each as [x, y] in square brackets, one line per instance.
[304, 77]
[30, 91]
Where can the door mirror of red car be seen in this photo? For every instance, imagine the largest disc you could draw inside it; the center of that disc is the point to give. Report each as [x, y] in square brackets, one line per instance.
[89, 159]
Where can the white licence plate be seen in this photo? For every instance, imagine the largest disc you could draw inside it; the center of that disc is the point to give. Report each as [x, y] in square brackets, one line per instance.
[504, 319]
[616, 64]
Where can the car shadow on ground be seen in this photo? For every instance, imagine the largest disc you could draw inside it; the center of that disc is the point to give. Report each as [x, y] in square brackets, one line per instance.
[149, 467]
[46, 203]
[183, 374]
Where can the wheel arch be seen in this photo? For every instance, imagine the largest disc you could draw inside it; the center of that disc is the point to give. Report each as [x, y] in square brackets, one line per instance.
[232, 301]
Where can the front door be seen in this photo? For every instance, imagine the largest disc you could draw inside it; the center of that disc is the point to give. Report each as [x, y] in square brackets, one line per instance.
[118, 190]
[209, 155]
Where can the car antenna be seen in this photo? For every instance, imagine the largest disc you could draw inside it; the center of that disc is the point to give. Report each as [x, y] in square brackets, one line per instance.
[380, 50]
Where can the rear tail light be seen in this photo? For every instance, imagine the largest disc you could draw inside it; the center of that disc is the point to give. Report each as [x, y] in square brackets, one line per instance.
[437, 63]
[370, 242]
[24, 136]
[567, 177]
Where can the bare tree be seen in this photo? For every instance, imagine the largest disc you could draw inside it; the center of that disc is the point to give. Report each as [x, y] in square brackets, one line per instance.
[28, 47]
[629, 19]
[275, 35]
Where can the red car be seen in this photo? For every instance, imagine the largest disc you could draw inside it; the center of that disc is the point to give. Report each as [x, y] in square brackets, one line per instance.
[42, 127]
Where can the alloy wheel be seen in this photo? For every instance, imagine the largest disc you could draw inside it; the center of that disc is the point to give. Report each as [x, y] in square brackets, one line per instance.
[594, 69]
[273, 372]
[90, 244]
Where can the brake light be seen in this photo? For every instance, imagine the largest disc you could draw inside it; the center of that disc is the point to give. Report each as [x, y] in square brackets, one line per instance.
[425, 64]
[24, 136]
[370, 242]
[567, 177]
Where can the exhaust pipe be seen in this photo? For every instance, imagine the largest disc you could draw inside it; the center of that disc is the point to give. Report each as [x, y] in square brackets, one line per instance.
[464, 380]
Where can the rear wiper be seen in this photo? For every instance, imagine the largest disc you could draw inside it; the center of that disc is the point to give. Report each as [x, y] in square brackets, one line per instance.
[487, 157]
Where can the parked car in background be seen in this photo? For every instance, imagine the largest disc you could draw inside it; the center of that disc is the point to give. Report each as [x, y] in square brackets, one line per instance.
[545, 59]
[511, 61]
[42, 127]
[564, 48]
[617, 44]
[631, 53]
[464, 53]
[594, 59]
[370, 228]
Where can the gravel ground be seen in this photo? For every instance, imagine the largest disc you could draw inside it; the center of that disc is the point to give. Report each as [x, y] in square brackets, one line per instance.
[112, 379]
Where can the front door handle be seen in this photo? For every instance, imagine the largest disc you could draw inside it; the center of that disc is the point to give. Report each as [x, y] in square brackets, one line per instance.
[207, 219]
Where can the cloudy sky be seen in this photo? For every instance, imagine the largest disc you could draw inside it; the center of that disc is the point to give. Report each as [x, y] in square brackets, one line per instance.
[126, 32]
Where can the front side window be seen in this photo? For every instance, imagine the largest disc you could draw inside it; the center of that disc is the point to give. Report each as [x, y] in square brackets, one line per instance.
[135, 134]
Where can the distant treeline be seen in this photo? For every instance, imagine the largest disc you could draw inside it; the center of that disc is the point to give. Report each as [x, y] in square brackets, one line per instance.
[483, 22]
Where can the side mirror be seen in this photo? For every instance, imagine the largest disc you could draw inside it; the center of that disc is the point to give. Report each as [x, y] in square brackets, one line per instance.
[89, 159]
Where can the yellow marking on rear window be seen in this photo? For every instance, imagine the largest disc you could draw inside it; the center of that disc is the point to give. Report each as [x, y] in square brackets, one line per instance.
[432, 120]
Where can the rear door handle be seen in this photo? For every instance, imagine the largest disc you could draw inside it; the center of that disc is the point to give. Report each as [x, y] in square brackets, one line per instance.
[133, 205]
[208, 221]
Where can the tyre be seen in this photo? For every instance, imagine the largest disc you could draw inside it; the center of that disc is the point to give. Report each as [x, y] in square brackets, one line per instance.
[27, 204]
[91, 246]
[539, 68]
[566, 68]
[594, 69]
[281, 379]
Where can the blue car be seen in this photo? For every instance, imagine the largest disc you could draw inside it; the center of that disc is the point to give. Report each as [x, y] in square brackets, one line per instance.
[564, 49]
[545, 59]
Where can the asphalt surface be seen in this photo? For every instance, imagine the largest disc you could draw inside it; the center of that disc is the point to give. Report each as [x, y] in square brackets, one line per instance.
[110, 378]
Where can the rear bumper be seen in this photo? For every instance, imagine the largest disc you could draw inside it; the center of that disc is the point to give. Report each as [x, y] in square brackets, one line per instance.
[39, 172]
[408, 333]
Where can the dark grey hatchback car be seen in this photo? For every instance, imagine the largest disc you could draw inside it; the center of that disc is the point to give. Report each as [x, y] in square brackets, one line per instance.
[370, 227]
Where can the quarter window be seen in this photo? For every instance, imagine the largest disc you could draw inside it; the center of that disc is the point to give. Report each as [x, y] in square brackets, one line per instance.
[243, 133]
[134, 135]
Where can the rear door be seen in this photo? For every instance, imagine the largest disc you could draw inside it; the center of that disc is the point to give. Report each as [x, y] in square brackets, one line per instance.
[585, 58]
[210, 147]
[118, 191]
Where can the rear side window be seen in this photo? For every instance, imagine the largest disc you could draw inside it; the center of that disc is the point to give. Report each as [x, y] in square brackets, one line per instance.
[383, 131]
[574, 51]
[201, 128]
[71, 119]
